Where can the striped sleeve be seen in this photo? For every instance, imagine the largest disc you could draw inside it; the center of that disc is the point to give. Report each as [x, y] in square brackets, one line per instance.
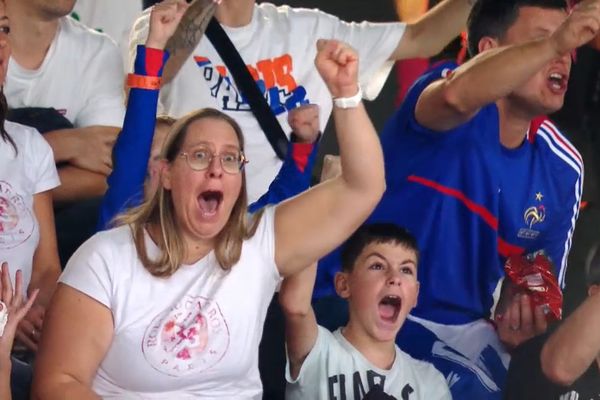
[567, 155]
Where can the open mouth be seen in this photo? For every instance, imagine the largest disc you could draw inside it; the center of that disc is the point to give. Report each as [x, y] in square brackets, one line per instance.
[389, 308]
[557, 82]
[209, 202]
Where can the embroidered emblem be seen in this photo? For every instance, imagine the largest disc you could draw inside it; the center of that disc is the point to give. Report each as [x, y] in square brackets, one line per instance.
[533, 215]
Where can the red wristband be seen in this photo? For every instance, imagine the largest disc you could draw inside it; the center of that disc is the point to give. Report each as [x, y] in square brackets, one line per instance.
[143, 82]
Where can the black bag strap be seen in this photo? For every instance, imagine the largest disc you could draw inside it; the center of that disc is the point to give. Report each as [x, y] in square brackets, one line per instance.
[246, 84]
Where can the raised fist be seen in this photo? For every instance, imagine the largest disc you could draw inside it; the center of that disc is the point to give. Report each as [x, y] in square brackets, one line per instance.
[164, 18]
[338, 65]
[581, 26]
[304, 121]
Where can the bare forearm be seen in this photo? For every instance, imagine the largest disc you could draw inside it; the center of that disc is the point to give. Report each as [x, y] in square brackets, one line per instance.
[78, 184]
[495, 74]
[46, 283]
[86, 147]
[5, 369]
[570, 351]
[300, 323]
[63, 143]
[485, 79]
[296, 292]
[360, 151]
[433, 31]
[411, 10]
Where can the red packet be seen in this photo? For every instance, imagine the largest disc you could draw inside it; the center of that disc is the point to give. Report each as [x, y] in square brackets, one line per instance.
[533, 274]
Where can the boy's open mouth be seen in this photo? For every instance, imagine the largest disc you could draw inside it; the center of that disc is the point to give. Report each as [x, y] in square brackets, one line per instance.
[389, 308]
[557, 82]
[209, 202]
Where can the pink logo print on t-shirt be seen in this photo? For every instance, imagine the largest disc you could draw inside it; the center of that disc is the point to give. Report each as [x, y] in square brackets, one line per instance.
[188, 338]
[16, 220]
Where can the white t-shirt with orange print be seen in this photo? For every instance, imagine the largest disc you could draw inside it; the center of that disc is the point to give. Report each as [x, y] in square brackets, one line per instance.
[279, 47]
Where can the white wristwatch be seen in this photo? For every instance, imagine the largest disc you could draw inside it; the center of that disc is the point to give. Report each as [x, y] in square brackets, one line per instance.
[348, 102]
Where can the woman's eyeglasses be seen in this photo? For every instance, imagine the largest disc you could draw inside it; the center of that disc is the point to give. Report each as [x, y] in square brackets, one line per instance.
[232, 162]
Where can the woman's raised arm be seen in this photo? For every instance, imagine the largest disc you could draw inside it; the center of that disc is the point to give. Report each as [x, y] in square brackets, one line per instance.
[312, 224]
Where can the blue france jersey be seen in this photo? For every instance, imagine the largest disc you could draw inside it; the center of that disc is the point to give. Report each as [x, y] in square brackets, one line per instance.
[470, 203]
[540, 193]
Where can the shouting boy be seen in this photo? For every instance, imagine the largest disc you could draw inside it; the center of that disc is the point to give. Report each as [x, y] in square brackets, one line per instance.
[360, 360]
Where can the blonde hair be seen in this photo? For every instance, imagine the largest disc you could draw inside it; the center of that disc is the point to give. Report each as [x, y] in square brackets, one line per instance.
[159, 211]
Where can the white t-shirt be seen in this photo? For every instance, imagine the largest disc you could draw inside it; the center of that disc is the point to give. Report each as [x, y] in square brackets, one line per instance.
[23, 175]
[81, 77]
[279, 47]
[335, 369]
[113, 17]
[192, 335]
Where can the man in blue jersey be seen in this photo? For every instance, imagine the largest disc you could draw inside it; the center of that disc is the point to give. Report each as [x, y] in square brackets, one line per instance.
[476, 177]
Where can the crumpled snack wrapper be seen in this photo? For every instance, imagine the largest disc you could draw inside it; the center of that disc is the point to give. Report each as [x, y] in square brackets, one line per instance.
[3, 317]
[533, 274]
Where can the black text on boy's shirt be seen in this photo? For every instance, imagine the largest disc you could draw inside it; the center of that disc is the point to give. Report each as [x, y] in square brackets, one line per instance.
[342, 387]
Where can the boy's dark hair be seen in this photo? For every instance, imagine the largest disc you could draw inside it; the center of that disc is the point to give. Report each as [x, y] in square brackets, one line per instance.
[592, 267]
[375, 233]
[494, 17]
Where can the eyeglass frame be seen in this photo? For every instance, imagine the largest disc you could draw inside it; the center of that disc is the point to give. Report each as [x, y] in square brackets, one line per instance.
[243, 161]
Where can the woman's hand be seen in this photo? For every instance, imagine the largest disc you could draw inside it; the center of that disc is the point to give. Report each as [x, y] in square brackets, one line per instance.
[164, 18]
[14, 306]
[337, 63]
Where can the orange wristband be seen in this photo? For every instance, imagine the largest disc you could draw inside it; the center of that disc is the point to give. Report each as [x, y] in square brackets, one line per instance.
[143, 82]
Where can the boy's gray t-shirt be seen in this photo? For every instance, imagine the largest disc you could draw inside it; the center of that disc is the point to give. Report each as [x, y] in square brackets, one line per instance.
[334, 369]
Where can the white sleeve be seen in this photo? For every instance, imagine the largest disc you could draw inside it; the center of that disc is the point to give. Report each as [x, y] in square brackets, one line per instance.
[312, 368]
[88, 269]
[436, 386]
[41, 159]
[103, 89]
[374, 42]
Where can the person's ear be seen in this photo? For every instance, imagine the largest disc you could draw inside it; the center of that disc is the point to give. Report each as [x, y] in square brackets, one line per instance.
[342, 286]
[487, 43]
[165, 174]
[593, 289]
[417, 294]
